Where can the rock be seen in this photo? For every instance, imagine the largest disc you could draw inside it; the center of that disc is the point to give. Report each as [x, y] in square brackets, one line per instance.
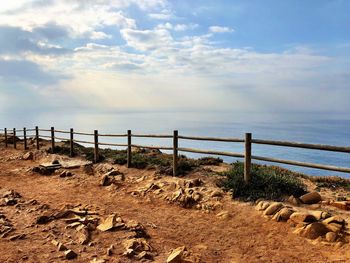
[17, 237]
[193, 183]
[273, 208]
[334, 219]
[10, 201]
[176, 255]
[283, 215]
[334, 227]
[224, 215]
[314, 230]
[70, 254]
[84, 236]
[262, 205]
[144, 255]
[95, 260]
[341, 205]
[111, 222]
[43, 219]
[61, 247]
[318, 214]
[27, 156]
[311, 198]
[293, 200]
[55, 162]
[331, 237]
[110, 250]
[105, 181]
[216, 193]
[300, 217]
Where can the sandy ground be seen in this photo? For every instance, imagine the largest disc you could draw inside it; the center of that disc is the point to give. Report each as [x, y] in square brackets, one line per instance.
[244, 237]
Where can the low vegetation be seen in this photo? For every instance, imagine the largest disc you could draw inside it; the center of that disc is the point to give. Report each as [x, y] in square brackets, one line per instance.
[268, 182]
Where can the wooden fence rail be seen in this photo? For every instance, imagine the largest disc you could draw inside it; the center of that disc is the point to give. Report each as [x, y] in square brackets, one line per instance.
[247, 155]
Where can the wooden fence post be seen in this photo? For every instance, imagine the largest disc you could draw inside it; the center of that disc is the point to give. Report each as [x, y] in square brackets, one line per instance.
[129, 157]
[25, 138]
[96, 157]
[14, 138]
[175, 152]
[37, 137]
[71, 143]
[6, 144]
[248, 157]
[52, 140]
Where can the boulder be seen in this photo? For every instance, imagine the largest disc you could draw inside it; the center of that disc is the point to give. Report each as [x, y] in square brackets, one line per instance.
[262, 205]
[273, 208]
[311, 198]
[319, 214]
[176, 255]
[283, 215]
[300, 218]
[314, 230]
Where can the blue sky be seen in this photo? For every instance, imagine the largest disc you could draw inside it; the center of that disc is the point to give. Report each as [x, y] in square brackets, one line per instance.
[166, 55]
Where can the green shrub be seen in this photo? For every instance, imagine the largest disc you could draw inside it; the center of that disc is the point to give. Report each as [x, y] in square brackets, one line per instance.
[210, 161]
[268, 182]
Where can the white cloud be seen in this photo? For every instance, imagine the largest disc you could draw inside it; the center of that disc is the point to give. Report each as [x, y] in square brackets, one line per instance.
[220, 29]
[165, 14]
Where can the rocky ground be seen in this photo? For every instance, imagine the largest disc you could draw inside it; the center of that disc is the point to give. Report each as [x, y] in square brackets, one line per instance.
[80, 212]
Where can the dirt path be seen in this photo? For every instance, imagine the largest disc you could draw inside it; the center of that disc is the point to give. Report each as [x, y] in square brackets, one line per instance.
[245, 237]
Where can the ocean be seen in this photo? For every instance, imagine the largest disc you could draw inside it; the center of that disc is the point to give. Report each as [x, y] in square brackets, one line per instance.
[308, 128]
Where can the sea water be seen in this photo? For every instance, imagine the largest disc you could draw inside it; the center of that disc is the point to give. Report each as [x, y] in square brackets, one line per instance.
[318, 129]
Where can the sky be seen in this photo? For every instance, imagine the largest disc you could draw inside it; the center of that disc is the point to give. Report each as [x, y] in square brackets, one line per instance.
[230, 56]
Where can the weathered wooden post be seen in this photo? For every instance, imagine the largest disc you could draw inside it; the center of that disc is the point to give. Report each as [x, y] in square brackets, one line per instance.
[129, 157]
[71, 143]
[175, 152]
[6, 144]
[37, 137]
[14, 138]
[248, 157]
[25, 138]
[52, 140]
[96, 157]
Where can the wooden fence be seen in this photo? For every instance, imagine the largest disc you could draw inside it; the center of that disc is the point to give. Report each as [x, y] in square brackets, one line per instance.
[247, 155]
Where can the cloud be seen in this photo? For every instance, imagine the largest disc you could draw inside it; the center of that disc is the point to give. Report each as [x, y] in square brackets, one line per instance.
[15, 40]
[165, 14]
[220, 29]
[146, 40]
[27, 72]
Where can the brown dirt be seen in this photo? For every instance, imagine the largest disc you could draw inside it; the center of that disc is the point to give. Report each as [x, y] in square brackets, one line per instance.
[245, 237]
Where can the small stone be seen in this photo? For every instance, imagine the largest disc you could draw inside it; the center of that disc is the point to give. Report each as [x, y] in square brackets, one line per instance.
[43, 219]
[61, 247]
[273, 208]
[311, 198]
[216, 193]
[334, 219]
[70, 254]
[28, 156]
[110, 222]
[110, 250]
[17, 237]
[293, 200]
[105, 181]
[84, 236]
[224, 215]
[331, 236]
[176, 255]
[10, 201]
